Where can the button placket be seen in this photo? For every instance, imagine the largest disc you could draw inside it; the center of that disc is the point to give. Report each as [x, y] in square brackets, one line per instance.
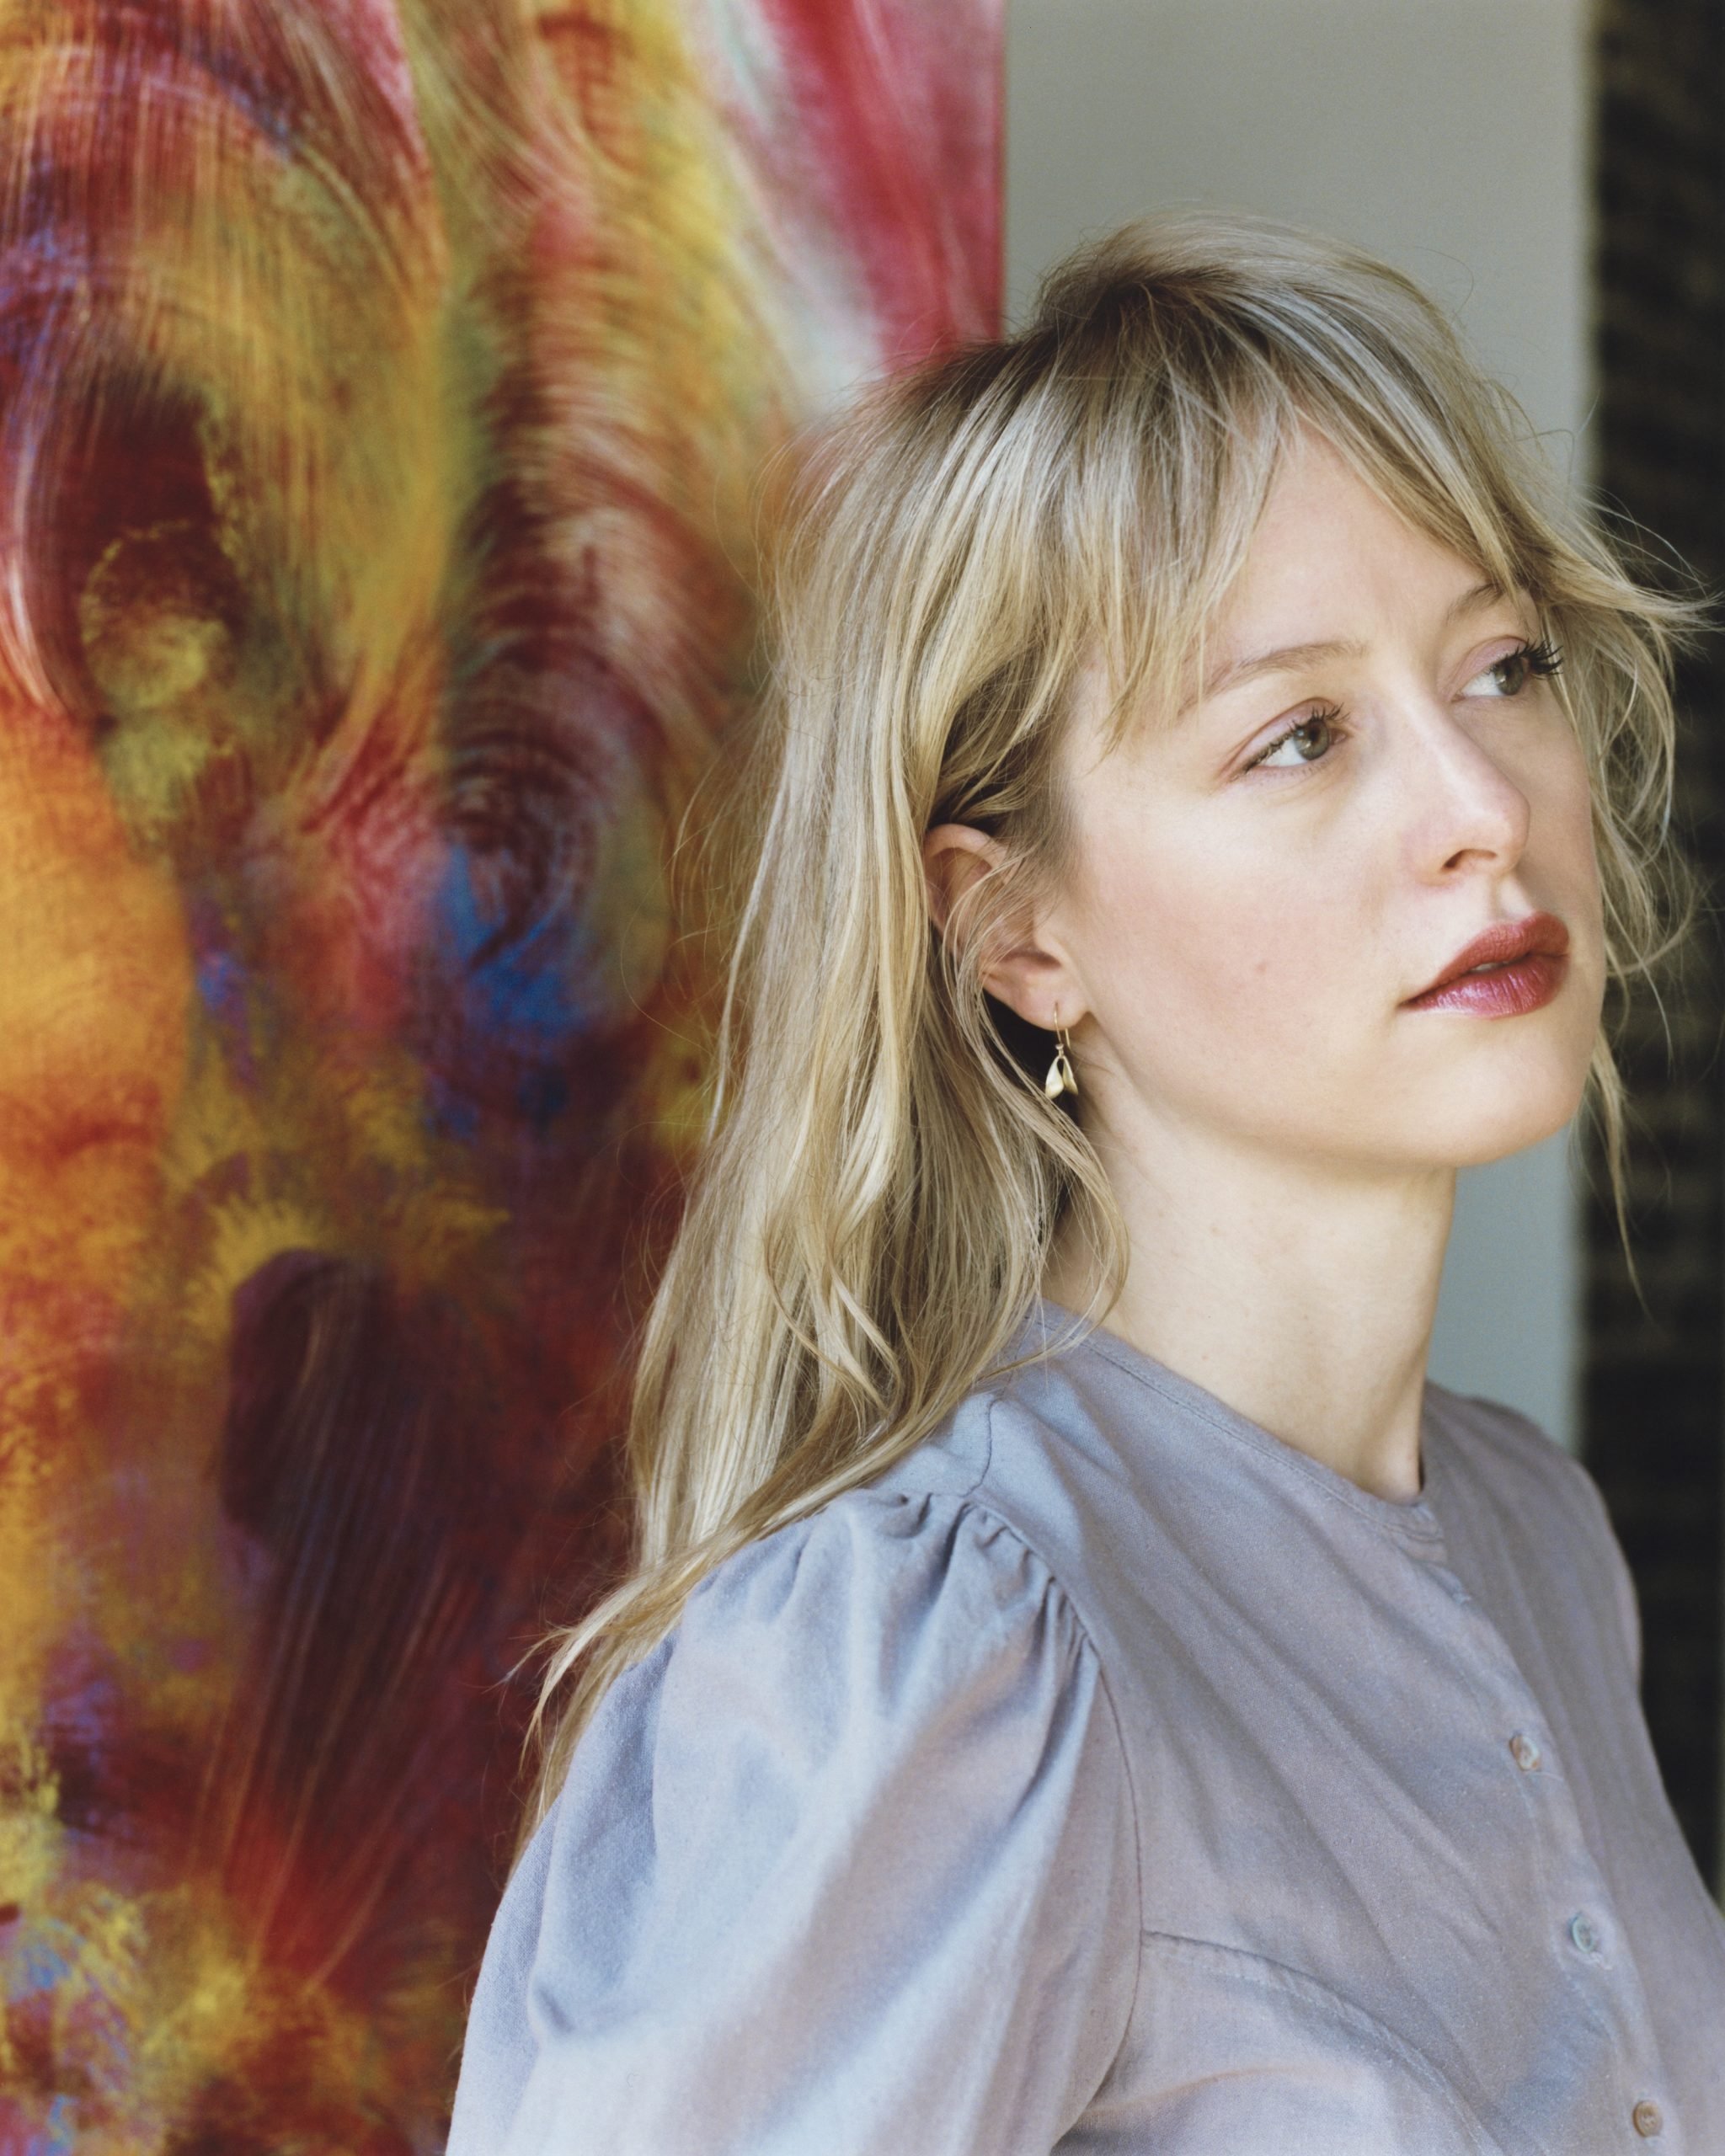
[1583, 1930]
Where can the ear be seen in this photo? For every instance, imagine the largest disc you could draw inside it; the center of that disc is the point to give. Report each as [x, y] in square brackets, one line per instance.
[1027, 973]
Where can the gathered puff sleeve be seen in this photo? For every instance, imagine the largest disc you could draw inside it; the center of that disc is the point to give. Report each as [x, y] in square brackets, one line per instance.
[846, 1867]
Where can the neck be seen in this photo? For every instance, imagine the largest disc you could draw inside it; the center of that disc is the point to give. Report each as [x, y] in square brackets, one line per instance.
[1301, 1294]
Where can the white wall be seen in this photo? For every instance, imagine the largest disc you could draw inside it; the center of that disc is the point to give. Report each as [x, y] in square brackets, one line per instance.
[1450, 138]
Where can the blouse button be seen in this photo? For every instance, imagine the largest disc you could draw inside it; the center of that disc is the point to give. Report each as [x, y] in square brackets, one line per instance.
[1647, 2118]
[1525, 1753]
[1585, 1933]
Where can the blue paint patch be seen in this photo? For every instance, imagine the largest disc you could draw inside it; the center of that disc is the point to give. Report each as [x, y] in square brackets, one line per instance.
[58, 2130]
[85, 1713]
[524, 996]
[39, 1968]
[541, 1096]
[449, 1114]
[524, 1009]
[221, 982]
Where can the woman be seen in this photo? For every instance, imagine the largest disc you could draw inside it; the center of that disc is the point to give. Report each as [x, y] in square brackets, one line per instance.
[1083, 1688]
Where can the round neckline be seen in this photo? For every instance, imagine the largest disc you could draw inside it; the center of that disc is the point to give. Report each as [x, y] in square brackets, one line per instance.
[1413, 1517]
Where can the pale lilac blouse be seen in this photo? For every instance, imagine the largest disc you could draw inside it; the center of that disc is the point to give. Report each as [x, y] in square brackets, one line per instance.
[1110, 1776]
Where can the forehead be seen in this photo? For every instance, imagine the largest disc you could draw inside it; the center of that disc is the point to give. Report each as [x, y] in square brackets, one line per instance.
[1322, 526]
[1332, 570]
[1331, 560]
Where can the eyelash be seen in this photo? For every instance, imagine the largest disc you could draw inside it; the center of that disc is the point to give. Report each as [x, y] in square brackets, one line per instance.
[1543, 659]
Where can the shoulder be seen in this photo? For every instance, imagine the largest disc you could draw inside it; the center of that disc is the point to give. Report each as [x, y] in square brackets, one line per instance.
[874, 1765]
[1502, 1453]
[897, 1656]
[888, 1596]
[963, 1530]
[1535, 1504]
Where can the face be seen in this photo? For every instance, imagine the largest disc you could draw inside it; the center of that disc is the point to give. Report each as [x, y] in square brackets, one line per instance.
[1373, 773]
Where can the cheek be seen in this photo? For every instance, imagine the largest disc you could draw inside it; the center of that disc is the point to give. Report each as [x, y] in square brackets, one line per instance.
[1561, 862]
[1566, 866]
[1222, 971]
[1577, 821]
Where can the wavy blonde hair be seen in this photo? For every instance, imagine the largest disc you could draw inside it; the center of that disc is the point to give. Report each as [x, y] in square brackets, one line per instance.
[880, 1181]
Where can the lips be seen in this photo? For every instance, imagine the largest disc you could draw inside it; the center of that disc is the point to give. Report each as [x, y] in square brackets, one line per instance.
[1513, 965]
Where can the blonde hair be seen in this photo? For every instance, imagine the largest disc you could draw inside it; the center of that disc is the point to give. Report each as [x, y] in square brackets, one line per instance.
[880, 1182]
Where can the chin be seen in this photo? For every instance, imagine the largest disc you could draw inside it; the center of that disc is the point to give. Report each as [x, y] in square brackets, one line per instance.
[1502, 1145]
[1503, 1117]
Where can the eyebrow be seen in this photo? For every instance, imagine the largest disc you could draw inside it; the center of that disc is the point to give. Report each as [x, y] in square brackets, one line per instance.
[1288, 656]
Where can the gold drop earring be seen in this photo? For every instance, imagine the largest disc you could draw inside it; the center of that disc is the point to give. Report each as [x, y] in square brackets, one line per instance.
[1061, 1077]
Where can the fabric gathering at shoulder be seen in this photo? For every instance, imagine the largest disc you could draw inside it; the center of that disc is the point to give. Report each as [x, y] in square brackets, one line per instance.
[849, 1862]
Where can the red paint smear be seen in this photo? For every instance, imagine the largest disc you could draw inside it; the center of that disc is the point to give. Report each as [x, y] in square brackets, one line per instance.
[905, 126]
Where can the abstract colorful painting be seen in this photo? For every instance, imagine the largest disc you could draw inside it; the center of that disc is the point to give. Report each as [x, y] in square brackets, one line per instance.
[384, 389]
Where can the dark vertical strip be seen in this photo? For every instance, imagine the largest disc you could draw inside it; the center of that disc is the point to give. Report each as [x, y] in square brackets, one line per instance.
[1654, 1381]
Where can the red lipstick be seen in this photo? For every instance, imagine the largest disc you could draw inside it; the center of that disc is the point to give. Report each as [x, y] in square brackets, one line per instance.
[1513, 967]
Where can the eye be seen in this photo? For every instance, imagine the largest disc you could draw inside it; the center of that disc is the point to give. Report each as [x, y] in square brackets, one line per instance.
[1310, 739]
[1516, 670]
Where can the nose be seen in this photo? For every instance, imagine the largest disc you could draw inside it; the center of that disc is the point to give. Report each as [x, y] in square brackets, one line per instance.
[1467, 811]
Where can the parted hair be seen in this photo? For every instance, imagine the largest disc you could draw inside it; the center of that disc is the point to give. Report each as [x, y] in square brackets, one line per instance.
[881, 1174]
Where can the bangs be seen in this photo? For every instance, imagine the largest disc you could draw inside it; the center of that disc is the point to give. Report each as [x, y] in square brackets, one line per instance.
[1176, 408]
